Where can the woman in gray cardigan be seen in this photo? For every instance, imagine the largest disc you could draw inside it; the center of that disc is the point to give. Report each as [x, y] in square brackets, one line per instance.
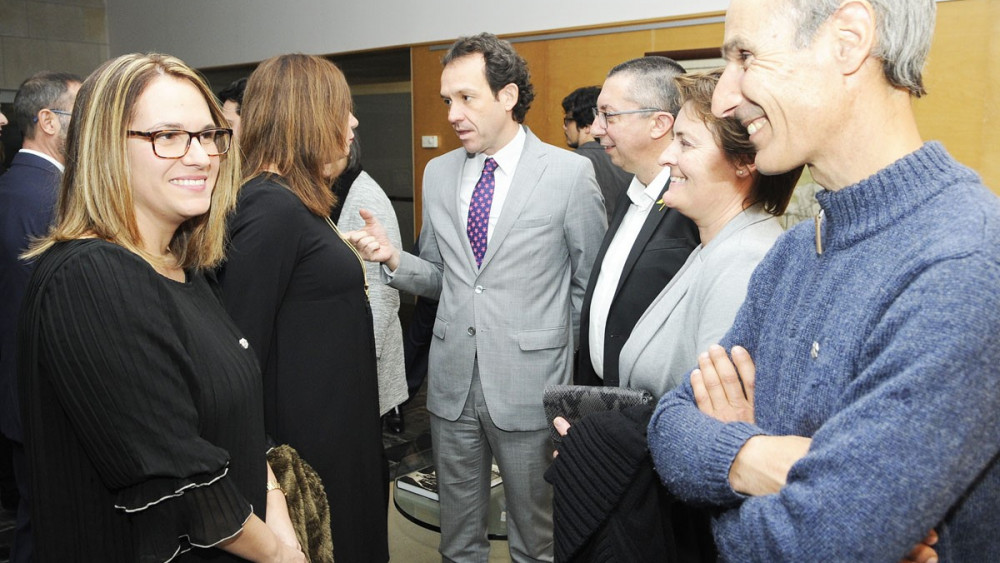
[714, 182]
[363, 192]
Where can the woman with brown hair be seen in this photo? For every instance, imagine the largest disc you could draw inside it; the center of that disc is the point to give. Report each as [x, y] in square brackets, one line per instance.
[141, 400]
[297, 291]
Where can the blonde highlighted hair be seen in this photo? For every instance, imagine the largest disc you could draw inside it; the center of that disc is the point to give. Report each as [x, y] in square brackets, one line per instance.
[295, 116]
[95, 198]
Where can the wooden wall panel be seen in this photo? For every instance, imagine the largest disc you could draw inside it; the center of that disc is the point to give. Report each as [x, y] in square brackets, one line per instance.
[963, 80]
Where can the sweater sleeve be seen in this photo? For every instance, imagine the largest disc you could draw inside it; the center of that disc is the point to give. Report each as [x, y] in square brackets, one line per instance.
[119, 369]
[923, 407]
[598, 460]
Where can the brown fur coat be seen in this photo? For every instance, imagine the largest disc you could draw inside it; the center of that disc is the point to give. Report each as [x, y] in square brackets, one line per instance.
[307, 504]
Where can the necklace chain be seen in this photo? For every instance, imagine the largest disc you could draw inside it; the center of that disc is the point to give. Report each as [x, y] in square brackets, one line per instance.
[364, 272]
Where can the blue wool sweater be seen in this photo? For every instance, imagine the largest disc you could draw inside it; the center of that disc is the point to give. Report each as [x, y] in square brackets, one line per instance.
[885, 350]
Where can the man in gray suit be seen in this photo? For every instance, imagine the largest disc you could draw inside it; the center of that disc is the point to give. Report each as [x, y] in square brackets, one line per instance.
[511, 227]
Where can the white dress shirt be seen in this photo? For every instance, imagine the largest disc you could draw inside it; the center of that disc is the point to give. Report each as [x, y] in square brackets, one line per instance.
[506, 159]
[54, 162]
[642, 200]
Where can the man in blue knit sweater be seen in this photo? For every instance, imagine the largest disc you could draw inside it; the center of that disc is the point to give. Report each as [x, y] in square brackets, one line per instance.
[869, 343]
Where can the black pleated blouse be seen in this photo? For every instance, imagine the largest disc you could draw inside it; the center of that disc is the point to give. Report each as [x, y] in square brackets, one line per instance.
[142, 410]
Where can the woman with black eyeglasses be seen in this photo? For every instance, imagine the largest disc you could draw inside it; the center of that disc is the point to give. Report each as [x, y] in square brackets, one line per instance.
[141, 399]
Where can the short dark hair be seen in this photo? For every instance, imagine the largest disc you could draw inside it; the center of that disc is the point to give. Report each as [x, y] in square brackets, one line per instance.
[43, 90]
[653, 82]
[503, 66]
[233, 92]
[580, 104]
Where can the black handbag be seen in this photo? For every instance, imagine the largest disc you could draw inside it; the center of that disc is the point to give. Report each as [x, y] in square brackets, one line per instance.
[574, 402]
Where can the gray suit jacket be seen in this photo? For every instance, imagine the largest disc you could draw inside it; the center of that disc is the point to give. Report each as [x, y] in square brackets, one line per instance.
[698, 306]
[520, 312]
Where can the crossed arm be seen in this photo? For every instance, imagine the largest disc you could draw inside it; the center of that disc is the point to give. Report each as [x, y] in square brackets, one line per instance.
[723, 389]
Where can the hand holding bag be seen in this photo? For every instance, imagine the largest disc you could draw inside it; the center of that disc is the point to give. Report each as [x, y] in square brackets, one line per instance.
[574, 402]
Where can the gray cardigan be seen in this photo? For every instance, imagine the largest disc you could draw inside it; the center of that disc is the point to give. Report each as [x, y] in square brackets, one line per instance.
[365, 193]
[698, 306]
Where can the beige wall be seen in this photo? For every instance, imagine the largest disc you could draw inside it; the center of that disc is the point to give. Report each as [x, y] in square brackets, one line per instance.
[962, 108]
[58, 35]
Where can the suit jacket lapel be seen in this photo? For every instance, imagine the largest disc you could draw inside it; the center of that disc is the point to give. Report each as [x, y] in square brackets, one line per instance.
[653, 220]
[661, 308]
[460, 215]
[616, 222]
[529, 170]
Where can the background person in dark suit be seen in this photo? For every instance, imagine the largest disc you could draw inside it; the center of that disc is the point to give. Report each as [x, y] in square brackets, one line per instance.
[646, 243]
[42, 108]
[578, 108]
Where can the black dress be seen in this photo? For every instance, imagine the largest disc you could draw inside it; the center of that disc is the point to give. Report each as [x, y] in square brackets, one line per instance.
[297, 291]
[141, 404]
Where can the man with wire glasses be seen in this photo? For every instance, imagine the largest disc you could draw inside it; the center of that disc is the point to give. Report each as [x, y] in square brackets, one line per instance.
[646, 243]
[42, 108]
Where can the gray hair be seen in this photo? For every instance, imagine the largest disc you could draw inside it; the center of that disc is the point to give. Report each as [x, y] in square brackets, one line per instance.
[653, 83]
[904, 29]
[43, 90]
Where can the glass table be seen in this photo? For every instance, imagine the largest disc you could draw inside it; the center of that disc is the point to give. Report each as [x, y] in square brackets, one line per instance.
[415, 496]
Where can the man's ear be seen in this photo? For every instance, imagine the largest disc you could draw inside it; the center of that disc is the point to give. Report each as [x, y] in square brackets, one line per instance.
[47, 121]
[508, 96]
[663, 124]
[854, 27]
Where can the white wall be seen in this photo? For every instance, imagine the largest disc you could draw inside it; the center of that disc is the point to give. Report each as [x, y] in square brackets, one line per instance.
[208, 33]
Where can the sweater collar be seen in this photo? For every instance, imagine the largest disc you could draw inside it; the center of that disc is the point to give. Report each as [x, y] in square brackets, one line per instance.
[883, 198]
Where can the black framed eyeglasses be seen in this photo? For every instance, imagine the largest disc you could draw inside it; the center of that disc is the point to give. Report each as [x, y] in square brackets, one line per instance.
[568, 120]
[175, 143]
[604, 115]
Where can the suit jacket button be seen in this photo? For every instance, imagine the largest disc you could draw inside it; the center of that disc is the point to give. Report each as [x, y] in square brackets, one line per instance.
[472, 331]
[480, 289]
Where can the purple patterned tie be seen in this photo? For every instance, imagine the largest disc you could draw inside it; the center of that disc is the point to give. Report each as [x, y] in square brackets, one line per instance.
[478, 223]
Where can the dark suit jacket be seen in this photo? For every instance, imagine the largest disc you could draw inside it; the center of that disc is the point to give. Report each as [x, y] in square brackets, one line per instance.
[664, 243]
[27, 200]
[613, 180]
